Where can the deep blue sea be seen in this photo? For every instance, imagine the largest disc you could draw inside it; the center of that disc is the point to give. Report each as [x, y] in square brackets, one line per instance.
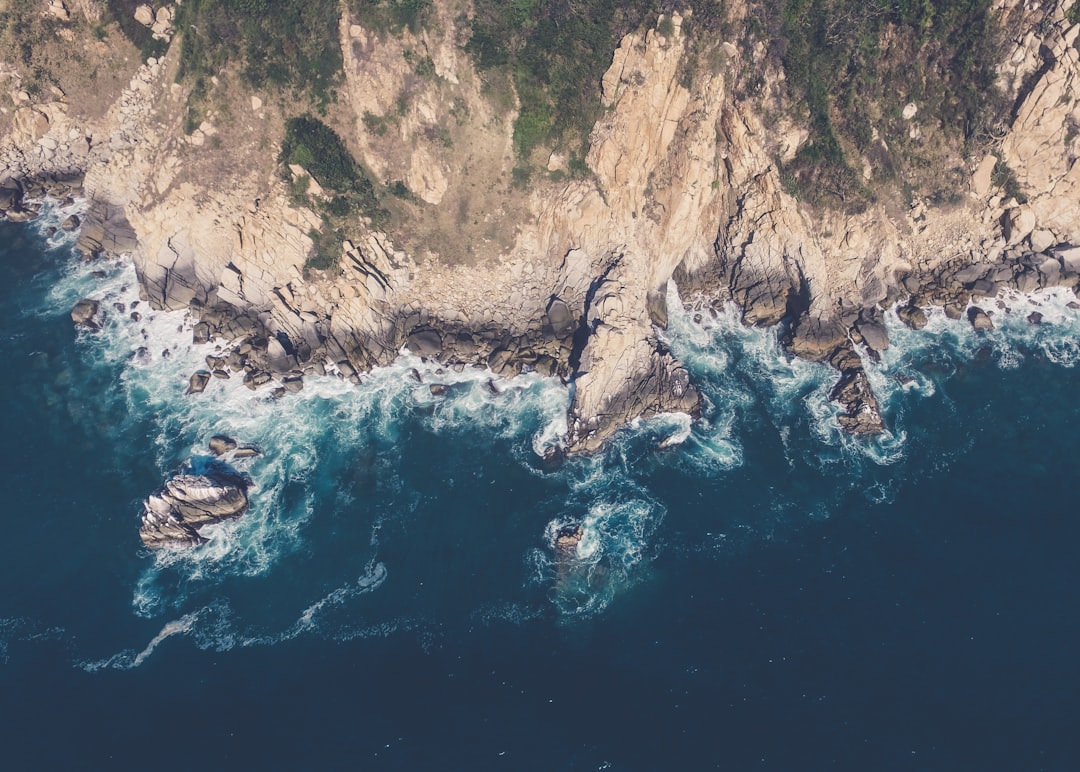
[766, 594]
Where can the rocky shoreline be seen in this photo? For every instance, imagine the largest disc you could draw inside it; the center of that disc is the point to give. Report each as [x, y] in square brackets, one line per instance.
[553, 347]
[570, 278]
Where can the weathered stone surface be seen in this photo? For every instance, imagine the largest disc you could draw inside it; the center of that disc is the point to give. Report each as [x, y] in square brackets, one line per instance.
[979, 319]
[84, 312]
[913, 316]
[874, 334]
[425, 343]
[816, 338]
[221, 444]
[293, 384]
[175, 512]
[862, 414]
[197, 382]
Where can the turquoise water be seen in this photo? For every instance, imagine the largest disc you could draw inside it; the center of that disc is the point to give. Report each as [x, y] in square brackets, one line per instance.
[767, 593]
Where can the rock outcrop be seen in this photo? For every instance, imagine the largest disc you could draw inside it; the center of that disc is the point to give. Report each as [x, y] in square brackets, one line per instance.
[567, 277]
[173, 515]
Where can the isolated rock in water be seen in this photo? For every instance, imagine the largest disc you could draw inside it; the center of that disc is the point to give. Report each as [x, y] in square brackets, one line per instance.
[175, 512]
[979, 319]
[198, 381]
[247, 451]
[566, 541]
[862, 414]
[70, 223]
[1035, 318]
[83, 313]
[221, 444]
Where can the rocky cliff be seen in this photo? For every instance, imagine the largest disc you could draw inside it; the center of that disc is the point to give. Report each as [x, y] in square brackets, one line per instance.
[564, 270]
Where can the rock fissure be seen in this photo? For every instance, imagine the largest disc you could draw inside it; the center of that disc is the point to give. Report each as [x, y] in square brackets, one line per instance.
[458, 276]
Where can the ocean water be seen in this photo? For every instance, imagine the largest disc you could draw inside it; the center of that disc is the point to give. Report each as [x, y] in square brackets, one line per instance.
[764, 593]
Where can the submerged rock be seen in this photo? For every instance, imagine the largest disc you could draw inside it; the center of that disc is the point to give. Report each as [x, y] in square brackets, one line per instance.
[173, 514]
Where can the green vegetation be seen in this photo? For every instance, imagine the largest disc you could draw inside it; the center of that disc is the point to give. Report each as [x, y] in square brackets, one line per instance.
[313, 145]
[1073, 14]
[1003, 177]
[289, 44]
[557, 53]
[854, 64]
[390, 15]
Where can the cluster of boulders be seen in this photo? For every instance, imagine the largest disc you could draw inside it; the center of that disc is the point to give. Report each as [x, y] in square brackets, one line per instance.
[159, 21]
[173, 515]
[262, 357]
[957, 283]
[20, 198]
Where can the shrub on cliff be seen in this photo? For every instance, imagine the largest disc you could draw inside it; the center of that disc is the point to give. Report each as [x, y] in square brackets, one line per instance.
[276, 43]
[312, 144]
[853, 65]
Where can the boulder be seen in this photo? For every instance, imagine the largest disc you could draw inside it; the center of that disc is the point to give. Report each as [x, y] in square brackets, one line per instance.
[862, 414]
[979, 319]
[1035, 318]
[84, 312]
[425, 343]
[144, 14]
[293, 383]
[281, 359]
[913, 316]
[1017, 223]
[1069, 257]
[70, 223]
[562, 321]
[10, 195]
[197, 382]
[1041, 240]
[817, 339]
[221, 444]
[22, 215]
[985, 288]
[173, 514]
[874, 335]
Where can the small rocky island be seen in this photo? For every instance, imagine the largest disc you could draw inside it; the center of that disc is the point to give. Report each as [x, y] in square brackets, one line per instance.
[173, 514]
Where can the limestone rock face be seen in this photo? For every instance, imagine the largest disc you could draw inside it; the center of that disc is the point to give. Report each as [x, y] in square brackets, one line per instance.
[174, 513]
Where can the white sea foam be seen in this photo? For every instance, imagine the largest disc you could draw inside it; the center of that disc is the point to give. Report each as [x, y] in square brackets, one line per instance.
[215, 626]
[301, 435]
[615, 542]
